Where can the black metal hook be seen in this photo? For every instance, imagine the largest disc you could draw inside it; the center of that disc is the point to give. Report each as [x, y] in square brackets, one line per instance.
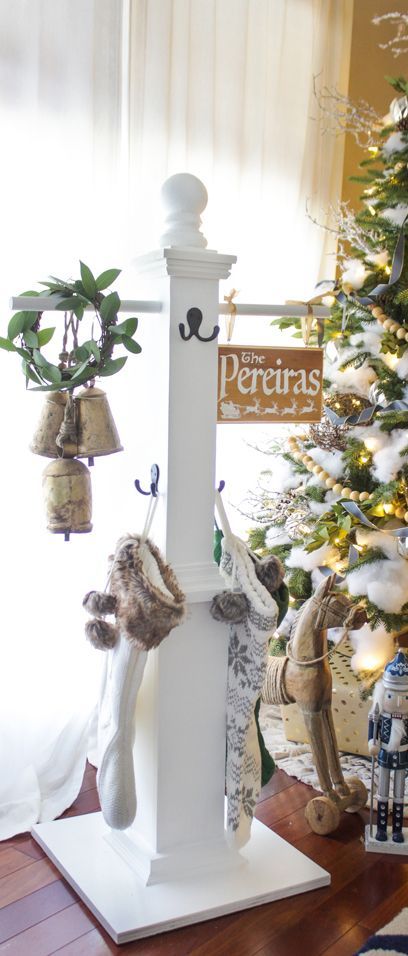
[154, 482]
[194, 320]
[221, 486]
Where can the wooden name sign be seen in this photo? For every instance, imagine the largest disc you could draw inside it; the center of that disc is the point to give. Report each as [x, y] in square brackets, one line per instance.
[269, 385]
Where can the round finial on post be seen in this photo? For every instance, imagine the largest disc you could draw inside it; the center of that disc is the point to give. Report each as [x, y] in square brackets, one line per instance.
[184, 198]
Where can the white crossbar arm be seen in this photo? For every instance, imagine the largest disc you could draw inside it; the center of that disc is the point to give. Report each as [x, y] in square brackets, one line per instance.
[44, 304]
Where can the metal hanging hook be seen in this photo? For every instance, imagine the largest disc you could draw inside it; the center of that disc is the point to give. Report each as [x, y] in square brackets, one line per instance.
[154, 482]
[194, 320]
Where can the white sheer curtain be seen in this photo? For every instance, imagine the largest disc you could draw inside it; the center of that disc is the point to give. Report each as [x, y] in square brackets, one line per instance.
[60, 201]
[100, 100]
[224, 89]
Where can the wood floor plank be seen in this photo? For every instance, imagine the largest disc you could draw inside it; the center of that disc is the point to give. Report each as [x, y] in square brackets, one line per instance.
[47, 937]
[91, 944]
[89, 781]
[32, 909]
[279, 781]
[260, 927]
[41, 916]
[322, 929]
[31, 848]
[26, 880]
[348, 944]
[11, 860]
[87, 802]
[283, 803]
[292, 827]
[386, 909]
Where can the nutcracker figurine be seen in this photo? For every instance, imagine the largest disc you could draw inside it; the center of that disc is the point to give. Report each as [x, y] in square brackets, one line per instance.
[388, 739]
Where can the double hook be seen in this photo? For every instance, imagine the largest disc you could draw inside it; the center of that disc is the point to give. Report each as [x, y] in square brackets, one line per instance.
[154, 482]
[194, 319]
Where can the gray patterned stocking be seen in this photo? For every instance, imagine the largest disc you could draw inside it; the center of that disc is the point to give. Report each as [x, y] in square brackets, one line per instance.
[247, 654]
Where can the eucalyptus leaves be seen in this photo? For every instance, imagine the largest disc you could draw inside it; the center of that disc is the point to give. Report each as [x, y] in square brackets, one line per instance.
[82, 362]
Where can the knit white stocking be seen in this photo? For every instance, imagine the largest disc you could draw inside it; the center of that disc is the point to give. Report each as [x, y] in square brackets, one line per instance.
[247, 656]
[116, 778]
[150, 604]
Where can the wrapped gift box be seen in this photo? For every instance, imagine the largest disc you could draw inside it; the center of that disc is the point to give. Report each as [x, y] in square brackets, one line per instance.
[350, 712]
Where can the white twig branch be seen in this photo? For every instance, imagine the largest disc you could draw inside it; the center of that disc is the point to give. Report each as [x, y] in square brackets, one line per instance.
[341, 221]
[343, 116]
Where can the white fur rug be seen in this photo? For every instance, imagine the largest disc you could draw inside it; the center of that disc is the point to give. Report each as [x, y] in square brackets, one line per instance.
[296, 759]
[391, 939]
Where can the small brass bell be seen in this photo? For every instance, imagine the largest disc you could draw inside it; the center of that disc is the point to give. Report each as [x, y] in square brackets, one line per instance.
[68, 497]
[96, 430]
[80, 426]
[52, 417]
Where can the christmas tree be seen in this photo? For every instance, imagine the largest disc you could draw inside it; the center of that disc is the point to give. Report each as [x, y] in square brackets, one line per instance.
[336, 496]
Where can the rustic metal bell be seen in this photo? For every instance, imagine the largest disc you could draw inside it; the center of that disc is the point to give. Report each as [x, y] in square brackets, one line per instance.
[80, 426]
[96, 430]
[68, 497]
[44, 441]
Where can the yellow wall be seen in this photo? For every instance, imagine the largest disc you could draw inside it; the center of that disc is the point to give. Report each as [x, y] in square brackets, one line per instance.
[368, 66]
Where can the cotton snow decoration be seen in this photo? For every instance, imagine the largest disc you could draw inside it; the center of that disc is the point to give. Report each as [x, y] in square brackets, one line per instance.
[355, 274]
[372, 648]
[379, 259]
[282, 477]
[396, 143]
[331, 460]
[275, 536]
[396, 215]
[401, 367]
[308, 561]
[352, 379]
[383, 582]
[387, 461]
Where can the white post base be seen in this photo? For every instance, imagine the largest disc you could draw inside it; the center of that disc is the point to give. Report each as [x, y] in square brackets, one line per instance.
[181, 863]
[387, 846]
[129, 910]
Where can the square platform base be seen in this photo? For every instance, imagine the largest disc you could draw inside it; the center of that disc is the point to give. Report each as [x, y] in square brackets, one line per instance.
[128, 910]
[388, 846]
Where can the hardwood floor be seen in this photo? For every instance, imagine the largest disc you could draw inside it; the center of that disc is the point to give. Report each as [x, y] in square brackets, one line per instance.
[41, 915]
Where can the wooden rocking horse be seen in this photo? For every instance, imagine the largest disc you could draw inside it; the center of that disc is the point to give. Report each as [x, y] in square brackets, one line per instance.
[304, 677]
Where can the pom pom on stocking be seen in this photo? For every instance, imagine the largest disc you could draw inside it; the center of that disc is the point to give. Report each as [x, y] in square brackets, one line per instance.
[99, 603]
[230, 606]
[101, 634]
[269, 571]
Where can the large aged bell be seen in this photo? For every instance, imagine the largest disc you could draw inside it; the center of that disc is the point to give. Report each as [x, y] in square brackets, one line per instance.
[80, 426]
[68, 497]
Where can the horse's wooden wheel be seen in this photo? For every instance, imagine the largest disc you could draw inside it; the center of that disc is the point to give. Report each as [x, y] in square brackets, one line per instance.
[358, 792]
[322, 815]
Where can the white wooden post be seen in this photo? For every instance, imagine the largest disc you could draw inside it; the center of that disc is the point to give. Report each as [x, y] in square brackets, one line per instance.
[169, 867]
[180, 717]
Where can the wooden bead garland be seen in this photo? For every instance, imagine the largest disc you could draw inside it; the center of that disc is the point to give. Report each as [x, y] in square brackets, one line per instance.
[298, 453]
[389, 324]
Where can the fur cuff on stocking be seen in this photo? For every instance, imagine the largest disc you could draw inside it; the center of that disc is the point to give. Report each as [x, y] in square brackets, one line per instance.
[149, 602]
